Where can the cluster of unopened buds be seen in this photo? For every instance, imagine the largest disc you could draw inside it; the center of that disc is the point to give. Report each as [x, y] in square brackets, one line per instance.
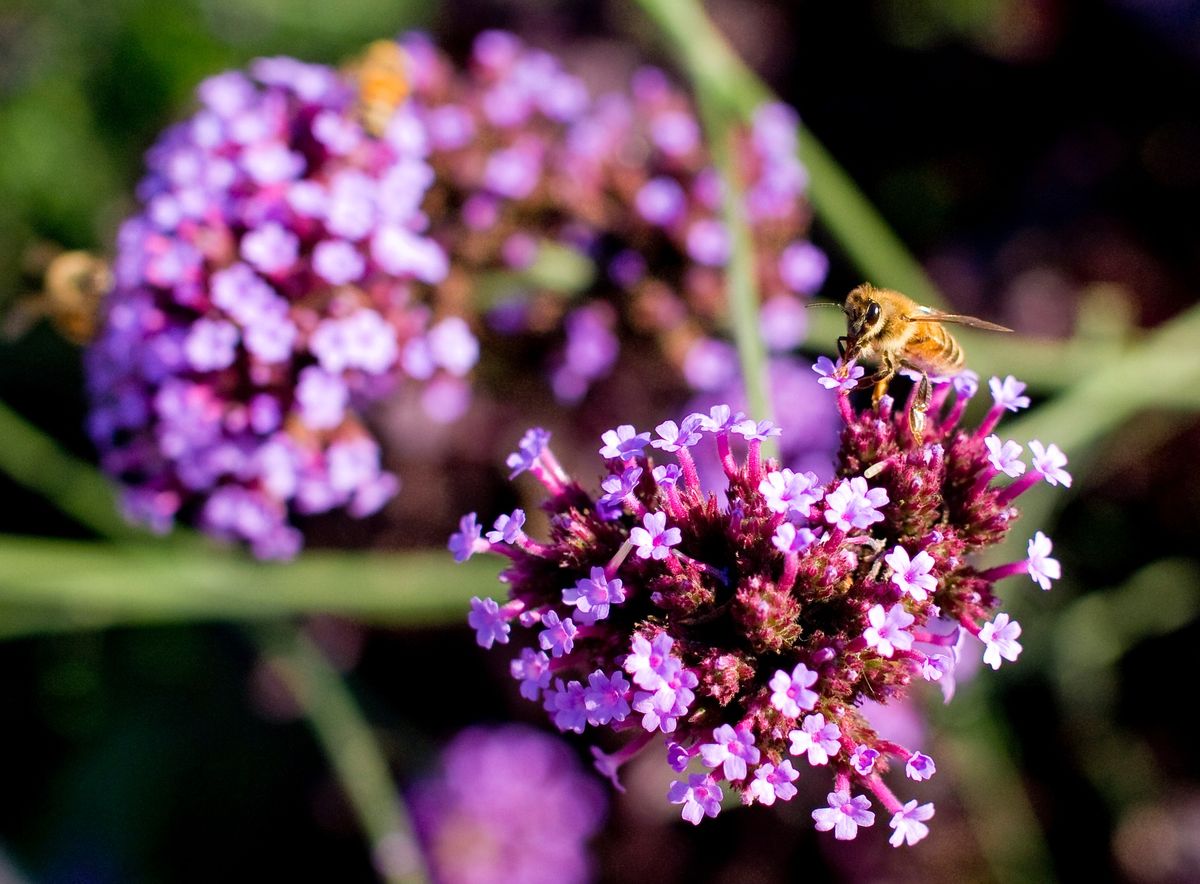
[744, 630]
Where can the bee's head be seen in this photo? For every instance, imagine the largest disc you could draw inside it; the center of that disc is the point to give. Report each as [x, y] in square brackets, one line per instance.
[863, 312]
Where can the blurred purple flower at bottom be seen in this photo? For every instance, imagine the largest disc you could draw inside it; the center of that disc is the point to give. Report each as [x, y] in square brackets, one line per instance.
[510, 804]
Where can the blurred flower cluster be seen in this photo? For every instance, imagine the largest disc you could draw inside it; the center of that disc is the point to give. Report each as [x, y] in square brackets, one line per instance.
[298, 255]
[509, 804]
[745, 634]
[268, 290]
[527, 161]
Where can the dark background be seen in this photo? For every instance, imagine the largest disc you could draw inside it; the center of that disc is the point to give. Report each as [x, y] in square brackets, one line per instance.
[1027, 152]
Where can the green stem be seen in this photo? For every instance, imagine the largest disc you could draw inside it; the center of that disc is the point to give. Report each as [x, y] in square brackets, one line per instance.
[740, 275]
[1159, 370]
[33, 459]
[346, 739]
[859, 229]
[1156, 373]
[69, 584]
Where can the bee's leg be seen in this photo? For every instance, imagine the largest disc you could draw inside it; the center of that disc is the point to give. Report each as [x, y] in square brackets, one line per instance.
[881, 379]
[920, 404]
[881, 386]
[841, 344]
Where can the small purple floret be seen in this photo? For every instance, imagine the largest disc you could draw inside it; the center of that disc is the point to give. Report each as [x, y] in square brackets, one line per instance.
[1000, 638]
[489, 622]
[790, 693]
[844, 815]
[700, 797]
[655, 539]
[1042, 568]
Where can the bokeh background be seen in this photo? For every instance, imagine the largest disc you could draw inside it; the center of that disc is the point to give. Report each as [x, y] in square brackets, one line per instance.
[1042, 160]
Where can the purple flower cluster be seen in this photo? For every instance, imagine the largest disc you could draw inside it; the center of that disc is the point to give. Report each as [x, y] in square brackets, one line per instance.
[526, 156]
[746, 634]
[511, 804]
[269, 289]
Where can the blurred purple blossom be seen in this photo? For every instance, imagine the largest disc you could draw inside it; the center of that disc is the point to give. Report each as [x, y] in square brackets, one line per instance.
[509, 804]
[263, 295]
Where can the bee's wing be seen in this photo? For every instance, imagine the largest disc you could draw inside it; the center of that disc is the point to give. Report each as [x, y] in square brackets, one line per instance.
[928, 314]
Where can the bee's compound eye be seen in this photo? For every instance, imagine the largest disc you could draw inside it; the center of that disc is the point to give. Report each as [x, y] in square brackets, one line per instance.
[873, 312]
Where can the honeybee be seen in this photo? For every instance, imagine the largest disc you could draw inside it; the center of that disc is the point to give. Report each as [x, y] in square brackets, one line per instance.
[885, 326]
[74, 283]
[381, 73]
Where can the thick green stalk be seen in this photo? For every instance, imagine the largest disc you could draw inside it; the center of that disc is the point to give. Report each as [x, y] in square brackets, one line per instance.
[66, 584]
[1162, 369]
[36, 461]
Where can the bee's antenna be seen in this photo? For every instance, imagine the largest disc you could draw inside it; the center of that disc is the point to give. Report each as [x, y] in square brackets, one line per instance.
[823, 304]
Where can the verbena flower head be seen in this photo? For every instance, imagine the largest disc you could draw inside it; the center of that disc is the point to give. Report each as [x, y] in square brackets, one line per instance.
[749, 628]
[510, 804]
[529, 160]
[270, 287]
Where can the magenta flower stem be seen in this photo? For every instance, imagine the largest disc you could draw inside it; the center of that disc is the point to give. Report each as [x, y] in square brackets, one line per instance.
[548, 476]
[844, 409]
[1002, 571]
[675, 504]
[725, 452]
[687, 466]
[940, 392]
[526, 543]
[1020, 486]
[633, 747]
[885, 795]
[754, 460]
[983, 480]
[791, 567]
[956, 412]
[610, 570]
[989, 421]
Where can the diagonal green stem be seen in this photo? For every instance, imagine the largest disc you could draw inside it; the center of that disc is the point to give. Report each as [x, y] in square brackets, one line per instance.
[1156, 372]
[716, 70]
[36, 461]
[346, 739]
[740, 278]
[974, 741]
